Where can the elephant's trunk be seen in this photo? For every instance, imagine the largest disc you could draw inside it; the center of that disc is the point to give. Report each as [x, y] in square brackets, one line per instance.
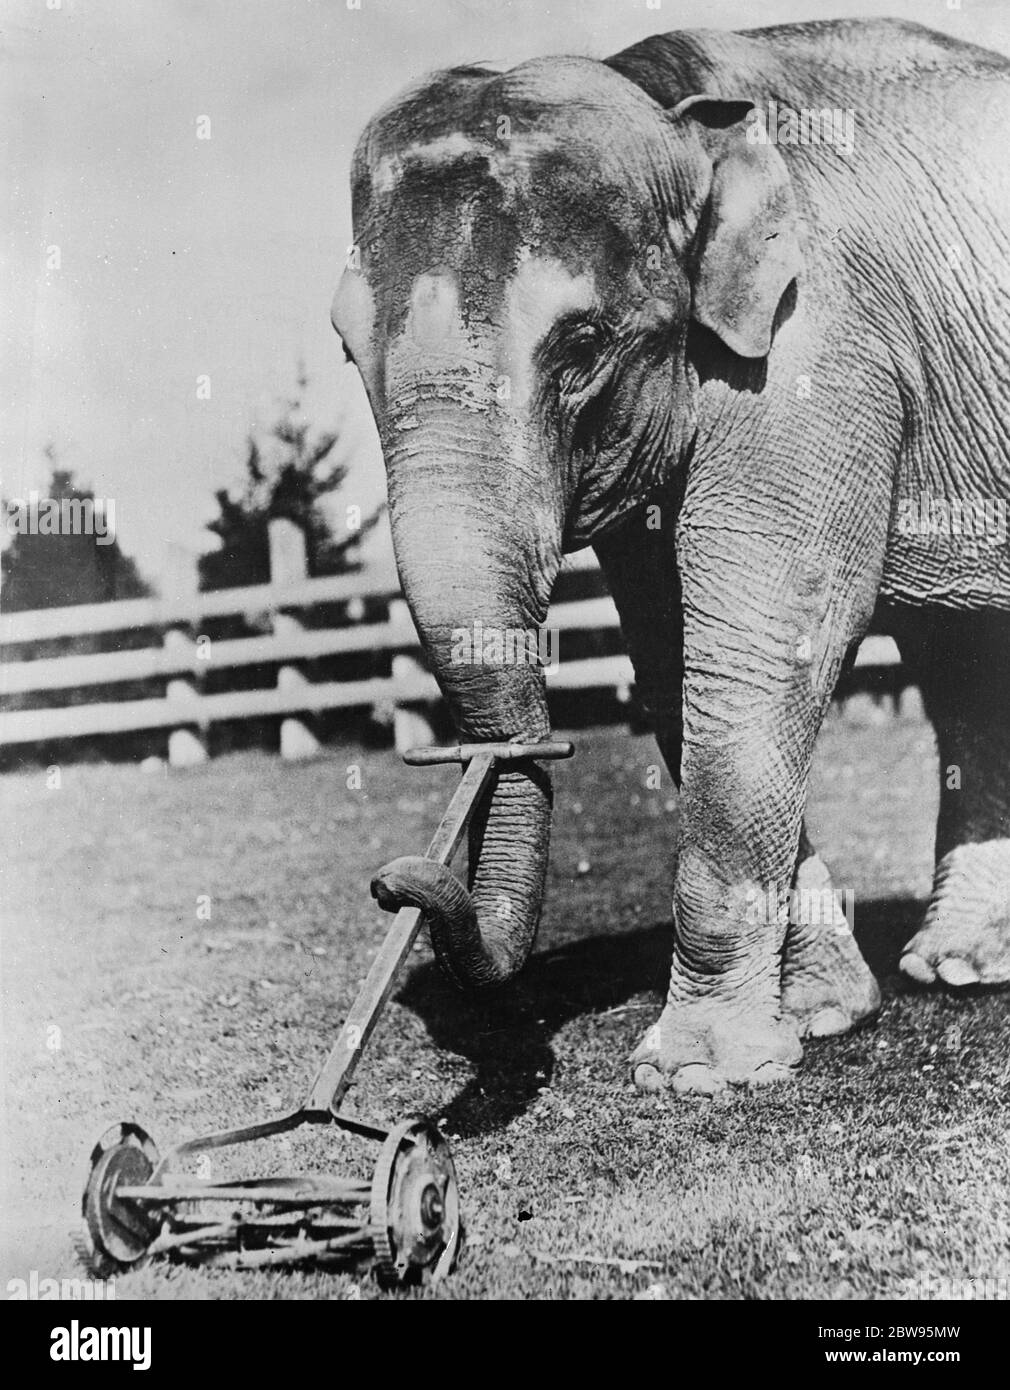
[468, 577]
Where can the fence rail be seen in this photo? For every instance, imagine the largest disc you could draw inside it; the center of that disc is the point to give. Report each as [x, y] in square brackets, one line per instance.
[175, 656]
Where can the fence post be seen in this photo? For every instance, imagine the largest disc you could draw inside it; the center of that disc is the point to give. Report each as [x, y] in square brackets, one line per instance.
[413, 726]
[910, 705]
[180, 584]
[289, 565]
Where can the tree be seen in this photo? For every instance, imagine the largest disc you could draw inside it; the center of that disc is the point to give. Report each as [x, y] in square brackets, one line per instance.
[291, 486]
[63, 549]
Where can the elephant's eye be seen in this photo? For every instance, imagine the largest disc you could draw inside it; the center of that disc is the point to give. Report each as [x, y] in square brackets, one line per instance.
[580, 340]
[576, 362]
[574, 353]
[581, 343]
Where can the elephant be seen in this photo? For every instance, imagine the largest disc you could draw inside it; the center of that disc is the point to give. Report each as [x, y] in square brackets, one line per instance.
[653, 306]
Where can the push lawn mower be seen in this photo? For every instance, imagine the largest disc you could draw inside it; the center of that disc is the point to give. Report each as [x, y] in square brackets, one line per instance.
[405, 1221]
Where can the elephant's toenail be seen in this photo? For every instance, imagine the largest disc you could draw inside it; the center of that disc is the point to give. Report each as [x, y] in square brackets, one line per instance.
[697, 1081]
[957, 972]
[648, 1077]
[917, 969]
[828, 1023]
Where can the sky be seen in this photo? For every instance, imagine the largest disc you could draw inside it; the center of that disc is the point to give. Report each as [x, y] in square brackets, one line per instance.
[191, 274]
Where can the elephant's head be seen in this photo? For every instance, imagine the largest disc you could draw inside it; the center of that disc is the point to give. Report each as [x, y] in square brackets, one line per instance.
[530, 251]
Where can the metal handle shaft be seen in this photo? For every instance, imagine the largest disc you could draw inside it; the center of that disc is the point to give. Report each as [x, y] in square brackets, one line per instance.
[331, 1084]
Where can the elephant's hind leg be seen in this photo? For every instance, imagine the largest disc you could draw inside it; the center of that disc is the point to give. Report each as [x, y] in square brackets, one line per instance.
[965, 938]
[827, 987]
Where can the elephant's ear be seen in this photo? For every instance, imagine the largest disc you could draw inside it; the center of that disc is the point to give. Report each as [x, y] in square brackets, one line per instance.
[748, 248]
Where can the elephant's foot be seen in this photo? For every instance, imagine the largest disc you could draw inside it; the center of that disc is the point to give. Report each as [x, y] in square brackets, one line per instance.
[827, 987]
[965, 939]
[700, 1046]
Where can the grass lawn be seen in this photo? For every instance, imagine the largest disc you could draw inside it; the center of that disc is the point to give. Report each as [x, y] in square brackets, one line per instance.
[888, 1160]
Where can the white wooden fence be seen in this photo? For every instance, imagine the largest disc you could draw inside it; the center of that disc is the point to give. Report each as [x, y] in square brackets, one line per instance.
[181, 657]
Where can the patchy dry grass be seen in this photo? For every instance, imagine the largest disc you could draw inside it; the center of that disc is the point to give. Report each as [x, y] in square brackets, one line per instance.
[886, 1161]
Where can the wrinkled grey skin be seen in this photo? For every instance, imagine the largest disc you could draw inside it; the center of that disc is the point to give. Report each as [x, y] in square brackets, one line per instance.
[777, 346]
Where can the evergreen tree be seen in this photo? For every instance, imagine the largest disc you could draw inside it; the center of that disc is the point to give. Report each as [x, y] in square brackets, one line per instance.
[292, 486]
[66, 566]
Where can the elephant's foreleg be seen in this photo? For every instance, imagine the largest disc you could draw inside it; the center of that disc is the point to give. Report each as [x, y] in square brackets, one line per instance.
[767, 621]
[963, 663]
[723, 1020]
[749, 725]
[827, 987]
[701, 1045]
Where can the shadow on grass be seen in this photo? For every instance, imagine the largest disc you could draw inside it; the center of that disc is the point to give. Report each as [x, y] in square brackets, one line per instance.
[882, 929]
[507, 1035]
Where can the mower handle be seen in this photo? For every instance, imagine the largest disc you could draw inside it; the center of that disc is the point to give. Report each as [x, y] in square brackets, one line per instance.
[481, 760]
[501, 752]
